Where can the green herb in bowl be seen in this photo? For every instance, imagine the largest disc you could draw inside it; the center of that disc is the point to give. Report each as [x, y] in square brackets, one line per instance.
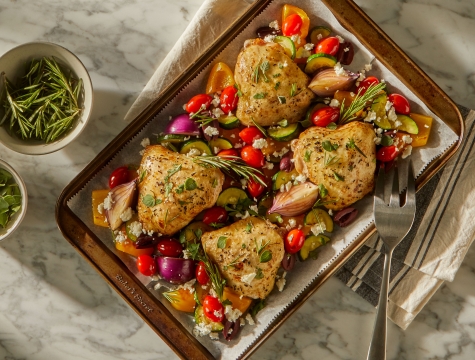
[10, 197]
[45, 104]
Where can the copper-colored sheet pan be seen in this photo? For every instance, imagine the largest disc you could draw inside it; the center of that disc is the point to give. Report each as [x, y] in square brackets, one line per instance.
[128, 286]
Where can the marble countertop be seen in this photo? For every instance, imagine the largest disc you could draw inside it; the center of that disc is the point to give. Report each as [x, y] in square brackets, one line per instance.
[53, 305]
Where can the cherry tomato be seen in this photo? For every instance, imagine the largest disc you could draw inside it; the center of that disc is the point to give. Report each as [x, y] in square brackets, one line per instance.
[169, 247]
[228, 152]
[294, 241]
[365, 84]
[292, 25]
[119, 176]
[249, 134]
[329, 45]
[255, 188]
[325, 115]
[198, 102]
[400, 103]
[387, 153]
[252, 156]
[201, 274]
[228, 99]
[146, 265]
[216, 214]
[213, 309]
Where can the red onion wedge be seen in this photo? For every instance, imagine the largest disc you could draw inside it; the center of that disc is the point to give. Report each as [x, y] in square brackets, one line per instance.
[176, 270]
[345, 217]
[182, 125]
[295, 201]
[327, 81]
[120, 198]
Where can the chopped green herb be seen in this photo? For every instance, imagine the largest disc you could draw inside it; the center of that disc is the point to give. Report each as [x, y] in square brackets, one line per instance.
[148, 200]
[183, 203]
[142, 175]
[332, 126]
[276, 75]
[277, 84]
[180, 189]
[265, 256]
[249, 227]
[265, 67]
[158, 201]
[386, 140]
[281, 66]
[221, 242]
[329, 160]
[215, 183]
[281, 99]
[323, 191]
[255, 75]
[259, 274]
[338, 177]
[243, 246]
[190, 184]
[293, 90]
[239, 92]
[351, 145]
[260, 95]
[307, 155]
[328, 146]
[226, 302]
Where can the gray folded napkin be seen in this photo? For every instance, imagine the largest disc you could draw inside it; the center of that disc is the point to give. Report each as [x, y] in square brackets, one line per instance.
[443, 232]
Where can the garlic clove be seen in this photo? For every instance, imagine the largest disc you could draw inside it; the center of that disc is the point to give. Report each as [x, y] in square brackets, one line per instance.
[296, 201]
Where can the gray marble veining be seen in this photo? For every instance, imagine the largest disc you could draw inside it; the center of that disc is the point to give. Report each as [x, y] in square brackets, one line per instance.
[53, 305]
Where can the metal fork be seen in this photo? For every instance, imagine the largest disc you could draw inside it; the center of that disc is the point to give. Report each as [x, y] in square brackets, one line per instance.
[393, 222]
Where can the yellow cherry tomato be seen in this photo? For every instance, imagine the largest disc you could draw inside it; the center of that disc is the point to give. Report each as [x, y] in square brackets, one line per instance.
[181, 299]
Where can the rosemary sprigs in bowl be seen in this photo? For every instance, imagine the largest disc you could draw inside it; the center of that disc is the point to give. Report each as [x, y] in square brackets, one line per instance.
[46, 98]
[45, 104]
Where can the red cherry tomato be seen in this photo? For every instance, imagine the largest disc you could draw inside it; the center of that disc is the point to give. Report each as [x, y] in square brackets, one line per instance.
[294, 241]
[325, 115]
[228, 99]
[255, 188]
[146, 265]
[119, 176]
[216, 214]
[249, 134]
[228, 152]
[201, 274]
[292, 25]
[213, 309]
[198, 102]
[252, 156]
[329, 45]
[400, 103]
[387, 153]
[365, 84]
[169, 247]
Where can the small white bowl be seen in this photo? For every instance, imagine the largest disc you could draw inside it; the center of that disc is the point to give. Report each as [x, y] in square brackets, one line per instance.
[13, 64]
[19, 215]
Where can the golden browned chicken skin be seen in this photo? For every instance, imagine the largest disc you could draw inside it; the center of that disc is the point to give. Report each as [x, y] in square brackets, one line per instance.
[239, 260]
[186, 198]
[348, 175]
[259, 100]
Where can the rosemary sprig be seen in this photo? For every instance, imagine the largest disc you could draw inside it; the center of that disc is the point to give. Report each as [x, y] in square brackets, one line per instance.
[352, 145]
[359, 102]
[261, 129]
[230, 164]
[45, 104]
[203, 118]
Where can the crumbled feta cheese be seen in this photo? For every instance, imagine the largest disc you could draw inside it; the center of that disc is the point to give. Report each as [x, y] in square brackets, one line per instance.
[216, 100]
[308, 46]
[285, 64]
[218, 313]
[254, 208]
[382, 80]
[319, 36]
[100, 208]
[184, 108]
[202, 329]
[288, 186]
[268, 165]
[426, 126]
[361, 77]
[379, 131]
[377, 140]
[274, 24]
[407, 139]
[249, 319]
[242, 322]
[145, 142]
[259, 143]
[216, 149]
[305, 53]
[346, 49]
[334, 103]
[217, 112]
[193, 152]
[371, 116]
[188, 286]
[269, 38]
[120, 236]
[368, 67]
[397, 123]
[126, 215]
[340, 39]
[318, 228]
[108, 201]
[388, 105]
[141, 152]
[243, 183]
[211, 131]
[214, 335]
[339, 70]
[295, 38]
[292, 223]
[281, 282]
[157, 286]
[186, 254]
[135, 228]
[241, 216]
[330, 212]
[282, 188]
[247, 279]
[232, 314]
[406, 152]
[233, 136]
[281, 152]
[237, 145]
[326, 101]
[300, 179]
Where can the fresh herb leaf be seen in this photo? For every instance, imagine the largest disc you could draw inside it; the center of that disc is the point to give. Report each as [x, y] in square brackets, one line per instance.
[148, 200]
[265, 256]
[277, 85]
[281, 99]
[258, 306]
[260, 96]
[293, 90]
[215, 183]
[243, 246]
[329, 160]
[222, 242]
[190, 184]
[183, 203]
[323, 191]
[281, 66]
[142, 175]
[276, 75]
[239, 92]
[386, 140]
[180, 189]
[158, 201]
[255, 75]
[332, 126]
[351, 145]
[259, 274]
[265, 67]
[328, 146]
[226, 302]
[307, 155]
[216, 225]
[338, 177]
[249, 227]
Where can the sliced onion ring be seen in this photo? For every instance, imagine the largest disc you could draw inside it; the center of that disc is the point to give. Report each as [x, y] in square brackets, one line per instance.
[176, 270]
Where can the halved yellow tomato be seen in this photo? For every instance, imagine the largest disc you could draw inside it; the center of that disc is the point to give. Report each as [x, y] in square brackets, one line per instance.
[238, 302]
[181, 299]
[424, 123]
[221, 76]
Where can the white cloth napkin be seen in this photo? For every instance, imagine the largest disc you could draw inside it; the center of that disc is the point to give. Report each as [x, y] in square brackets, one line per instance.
[445, 233]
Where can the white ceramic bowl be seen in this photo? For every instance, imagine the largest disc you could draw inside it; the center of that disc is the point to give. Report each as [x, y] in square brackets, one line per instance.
[13, 64]
[19, 215]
